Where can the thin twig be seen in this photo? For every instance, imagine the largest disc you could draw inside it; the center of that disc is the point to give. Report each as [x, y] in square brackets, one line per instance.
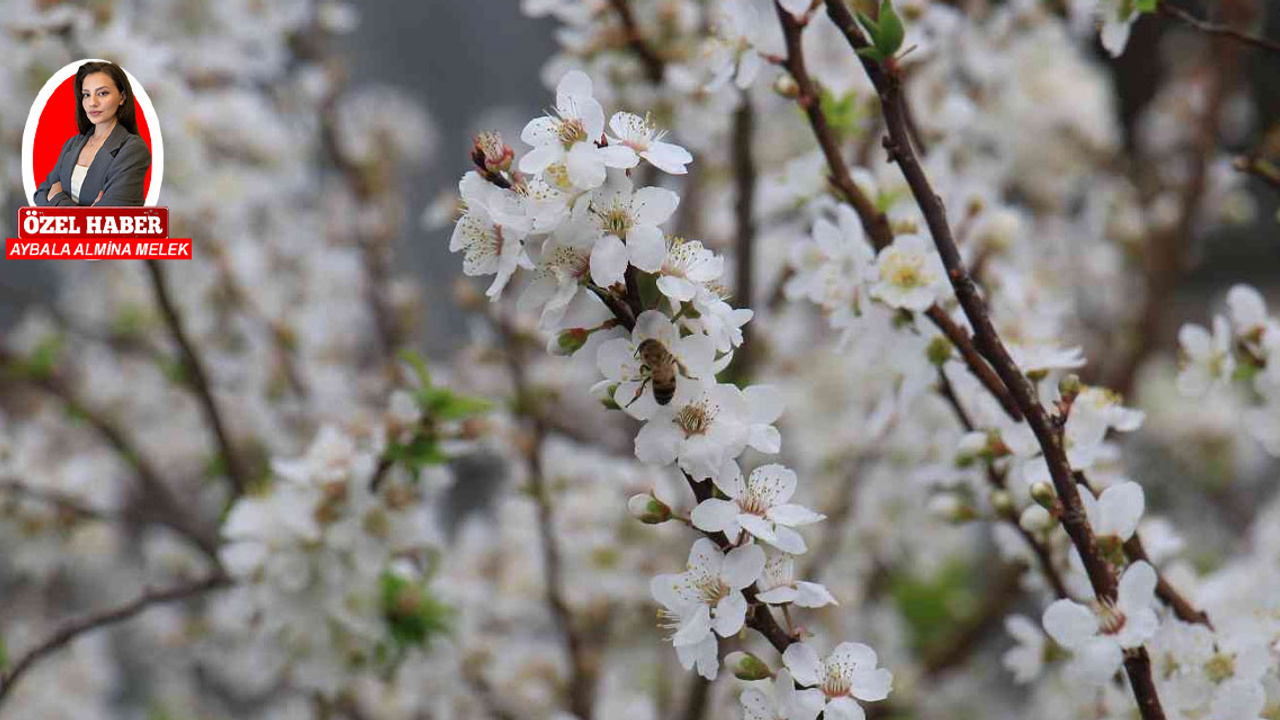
[581, 684]
[199, 380]
[989, 343]
[1165, 256]
[1214, 29]
[744, 182]
[161, 506]
[1043, 555]
[874, 222]
[997, 601]
[653, 64]
[76, 627]
[60, 501]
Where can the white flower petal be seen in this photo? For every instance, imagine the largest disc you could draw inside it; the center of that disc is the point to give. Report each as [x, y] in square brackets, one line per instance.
[803, 663]
[742, 566]
[1070, 623]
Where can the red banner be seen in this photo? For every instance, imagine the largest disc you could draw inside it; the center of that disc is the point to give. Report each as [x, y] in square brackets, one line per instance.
[94, 233]
[94, 249]
[92, 223]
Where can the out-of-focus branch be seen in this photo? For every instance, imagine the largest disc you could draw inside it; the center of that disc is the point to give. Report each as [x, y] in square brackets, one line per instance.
[582, 681]
[59, 501]
[998, 600]
[653, 64]
[744, 182]
[874, 222]
[199, 379]
[1260, 168]
[987, 340]
[997, 481]
[74, 628]
[160, 505]
[1166, 251]
[1169, 10]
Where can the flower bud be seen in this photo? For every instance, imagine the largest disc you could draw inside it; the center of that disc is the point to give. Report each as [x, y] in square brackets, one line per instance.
[939, 351]
[490, 154]
[1002, 503]
[569, 341]
[648, 509]
[1043, 494]
[786, 86]
[1069, 386]
[746, 666]
[948, 506]
[1035, 519]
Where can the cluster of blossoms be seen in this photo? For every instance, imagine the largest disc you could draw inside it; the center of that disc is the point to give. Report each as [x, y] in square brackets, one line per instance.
[572, 204]
[360, 540]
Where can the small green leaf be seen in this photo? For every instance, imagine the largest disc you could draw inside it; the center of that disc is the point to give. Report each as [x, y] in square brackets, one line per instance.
[872, 53]
[1147, 6]
[892, 33]
[4, 654]
[442, 404]
[412, 614]
[43, 360]
[419, 366]
[871, 26]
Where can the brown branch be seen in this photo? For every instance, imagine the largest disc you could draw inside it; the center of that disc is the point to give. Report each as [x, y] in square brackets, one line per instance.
[988, 342]
[1260, 168]
[71, 629]
[60, 501]
[582, 681]
[695, 699]
[1219, 30]
[963, 343]
[874, 223]
[162, 506]
[1166, 250]
[1183, 608]
[998, 600]
[653, 64]
[1043, 555]
[199, 380]
[744, 182]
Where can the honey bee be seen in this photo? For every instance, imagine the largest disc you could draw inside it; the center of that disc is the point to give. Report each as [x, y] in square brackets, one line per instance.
[659, 366]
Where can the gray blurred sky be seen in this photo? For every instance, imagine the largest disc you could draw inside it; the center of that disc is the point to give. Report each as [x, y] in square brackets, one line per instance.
[458, 58]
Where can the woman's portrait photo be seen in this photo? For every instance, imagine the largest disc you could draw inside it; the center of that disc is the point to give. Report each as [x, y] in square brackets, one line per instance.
[105, 162]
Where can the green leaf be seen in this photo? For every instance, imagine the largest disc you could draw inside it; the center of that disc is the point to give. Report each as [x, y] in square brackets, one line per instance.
[871, 26]
[843, 114]
[872, 53]
[892, 33]
[1147, 6]
[4, 654]
[412, 614]
[43, 360]
[419, 366]
[422, 451]
[443, 404]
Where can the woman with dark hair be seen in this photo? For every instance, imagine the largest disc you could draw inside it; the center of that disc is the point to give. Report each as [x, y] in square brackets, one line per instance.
[106, 163]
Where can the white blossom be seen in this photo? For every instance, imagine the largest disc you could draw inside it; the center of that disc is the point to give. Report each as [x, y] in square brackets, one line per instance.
[759, 505]
[845, 676]
[1097, 635]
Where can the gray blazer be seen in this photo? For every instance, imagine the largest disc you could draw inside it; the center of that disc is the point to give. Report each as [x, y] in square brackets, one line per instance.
[119, 171]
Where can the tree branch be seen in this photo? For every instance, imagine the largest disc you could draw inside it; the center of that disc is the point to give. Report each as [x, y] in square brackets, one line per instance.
[581, 683]
[874, 223]
[988, 342]
[744, 182]
[76, 627]
[199, 379]
[1254, 41]
[653, 65]
[163, 507]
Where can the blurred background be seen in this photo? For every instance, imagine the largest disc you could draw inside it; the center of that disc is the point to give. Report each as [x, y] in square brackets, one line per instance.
[314, 154]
